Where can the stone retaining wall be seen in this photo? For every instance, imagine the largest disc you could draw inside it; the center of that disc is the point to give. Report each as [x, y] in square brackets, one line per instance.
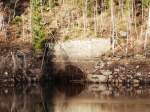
[128, 71]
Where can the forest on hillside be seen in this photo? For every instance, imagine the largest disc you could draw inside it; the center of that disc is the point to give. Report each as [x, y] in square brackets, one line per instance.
[32, 21]
[81, 29]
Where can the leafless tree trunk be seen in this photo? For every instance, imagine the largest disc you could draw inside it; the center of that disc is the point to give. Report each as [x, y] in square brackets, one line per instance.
[95, 18]
[1, 21]
[128, 24]
[14, 62]
[147, 32]
[113, 26]
[23, 28]
[15, 8]
[85, 16]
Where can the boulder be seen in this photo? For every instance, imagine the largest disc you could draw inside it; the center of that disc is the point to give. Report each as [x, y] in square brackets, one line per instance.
[96, 78]
[82, 49]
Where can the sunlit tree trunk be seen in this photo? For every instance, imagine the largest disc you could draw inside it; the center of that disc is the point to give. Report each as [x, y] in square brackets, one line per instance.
[1, 21]
[95, 18]
[135, 20]
[132, 18]
[142, 19]
[149, 20]
[128, 23]
[15, 8]
[85, 16]
[30, 24]
[148, 31]
[113, 26]
[23, 28]
[101, 21]
[1, 18]
[121, 6]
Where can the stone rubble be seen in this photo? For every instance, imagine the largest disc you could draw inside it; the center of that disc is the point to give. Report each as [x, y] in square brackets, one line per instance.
[120, 73]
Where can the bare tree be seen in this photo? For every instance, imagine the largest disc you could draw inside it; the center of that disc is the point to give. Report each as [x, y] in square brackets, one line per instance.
[95, 18]
[85, 16]
[147, 32]
[113, 26]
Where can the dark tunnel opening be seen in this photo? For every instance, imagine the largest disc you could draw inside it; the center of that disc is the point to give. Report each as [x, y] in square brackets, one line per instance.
[68, 74]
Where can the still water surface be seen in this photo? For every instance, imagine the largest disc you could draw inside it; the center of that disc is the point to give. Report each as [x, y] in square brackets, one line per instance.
[75, 98]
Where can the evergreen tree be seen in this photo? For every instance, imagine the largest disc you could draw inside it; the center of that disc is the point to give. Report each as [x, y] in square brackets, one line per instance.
[38, 34]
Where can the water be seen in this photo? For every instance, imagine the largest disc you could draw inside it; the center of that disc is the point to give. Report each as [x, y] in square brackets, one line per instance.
[75, 98]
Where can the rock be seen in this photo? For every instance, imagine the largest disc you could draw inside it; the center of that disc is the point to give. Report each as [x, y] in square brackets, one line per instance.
[123, 34]
[6, 91]
[6, 74]
[129, 76]
[96, 78]
[98, 63]
[85, 48]
[109, 63]
[136, 85]
[35, 79]
[138, 91]
[116, 70]
[106, 92]
[122, 68]
[96, 67]
[96, 87]
[106, 72]
[138, 74]
[109, 80]
[115, 76]
[120, 81]
[110, 76]
[136, 81]
[36, 71]
[96, 71]
[138, 56]
[12, 80]
[137, 66]
[102, 64]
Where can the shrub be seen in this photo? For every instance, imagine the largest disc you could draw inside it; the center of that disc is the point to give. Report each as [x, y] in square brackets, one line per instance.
[145, 2]
[38, 33]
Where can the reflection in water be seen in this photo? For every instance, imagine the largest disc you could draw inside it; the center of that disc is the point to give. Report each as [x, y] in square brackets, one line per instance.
[74, 98]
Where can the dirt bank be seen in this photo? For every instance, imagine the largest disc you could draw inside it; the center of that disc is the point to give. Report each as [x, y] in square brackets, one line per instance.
[20, 63]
